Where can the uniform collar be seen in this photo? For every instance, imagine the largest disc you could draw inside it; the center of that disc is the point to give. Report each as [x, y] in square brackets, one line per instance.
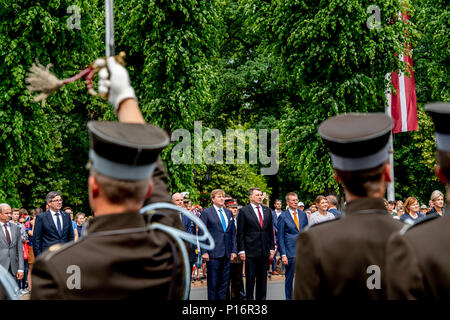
[375, 204]
[131, 219]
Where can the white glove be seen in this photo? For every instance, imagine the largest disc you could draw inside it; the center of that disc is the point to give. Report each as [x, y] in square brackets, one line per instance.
[118, 84]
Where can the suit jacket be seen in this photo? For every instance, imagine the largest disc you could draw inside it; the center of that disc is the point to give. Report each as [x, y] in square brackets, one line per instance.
[275, 221]
[11, 255]
[334, 258]
[225, 240]
[287, 231]
[251, 238]
[45, 233]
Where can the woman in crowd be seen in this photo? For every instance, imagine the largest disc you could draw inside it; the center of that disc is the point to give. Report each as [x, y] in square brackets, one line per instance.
[79, 220]
[412, 210]
[399, 208]
[437, 200]
[321, 214]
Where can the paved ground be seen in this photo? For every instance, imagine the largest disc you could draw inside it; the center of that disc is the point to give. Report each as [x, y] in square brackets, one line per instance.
[275, 289]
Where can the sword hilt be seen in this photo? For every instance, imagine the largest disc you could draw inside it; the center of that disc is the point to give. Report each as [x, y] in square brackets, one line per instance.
[95, 67]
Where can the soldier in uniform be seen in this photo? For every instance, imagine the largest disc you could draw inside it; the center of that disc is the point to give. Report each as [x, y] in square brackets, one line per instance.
[419, 269]
[345, 258]
[118, 257]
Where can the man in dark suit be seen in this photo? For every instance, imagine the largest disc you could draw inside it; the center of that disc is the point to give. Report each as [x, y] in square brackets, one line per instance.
[255, 238]
[290, 223]
[53, 226]
[220, 223]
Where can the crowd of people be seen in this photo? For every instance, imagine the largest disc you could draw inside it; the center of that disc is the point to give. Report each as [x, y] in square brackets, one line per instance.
[229, 276]
[321, 210]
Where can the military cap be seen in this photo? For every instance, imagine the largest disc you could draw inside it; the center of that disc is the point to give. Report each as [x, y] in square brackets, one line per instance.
[357, 141]
[440, 112]
[125, 151]
[232, 203]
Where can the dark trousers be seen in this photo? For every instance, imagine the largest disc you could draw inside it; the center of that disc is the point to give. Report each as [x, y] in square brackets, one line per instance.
[256, 273]
[289, 278]
[191, 264]
[274, 263]
[217, 277]
[23, 282]
[236, 283]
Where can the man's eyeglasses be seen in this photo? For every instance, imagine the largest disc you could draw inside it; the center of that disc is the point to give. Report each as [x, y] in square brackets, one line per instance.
[58, 200]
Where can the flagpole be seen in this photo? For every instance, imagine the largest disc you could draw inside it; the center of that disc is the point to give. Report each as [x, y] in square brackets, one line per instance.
[391, 188]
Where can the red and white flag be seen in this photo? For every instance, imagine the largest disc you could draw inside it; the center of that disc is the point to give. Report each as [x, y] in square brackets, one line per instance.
[402, 105]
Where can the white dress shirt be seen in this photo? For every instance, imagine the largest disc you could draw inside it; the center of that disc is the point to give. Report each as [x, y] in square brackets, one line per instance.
[278, 213]
[224, 215]
[256, 212]
[60, 219]
[292, 213]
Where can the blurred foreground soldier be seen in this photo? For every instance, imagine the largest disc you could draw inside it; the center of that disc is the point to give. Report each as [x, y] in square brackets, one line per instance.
[345, 258]
[420, 269]
[117, 257]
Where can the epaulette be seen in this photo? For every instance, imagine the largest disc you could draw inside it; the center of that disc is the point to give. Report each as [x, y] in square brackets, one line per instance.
[57, 248]
[418, 222]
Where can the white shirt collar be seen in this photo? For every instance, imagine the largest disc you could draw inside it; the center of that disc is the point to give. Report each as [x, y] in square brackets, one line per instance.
[254, 206]
[217, 208]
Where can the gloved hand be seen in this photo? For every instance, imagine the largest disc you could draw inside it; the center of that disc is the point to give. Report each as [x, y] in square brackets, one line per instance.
[118, 83]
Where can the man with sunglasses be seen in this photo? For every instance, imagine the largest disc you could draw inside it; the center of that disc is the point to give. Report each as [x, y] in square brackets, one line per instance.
[53, 226]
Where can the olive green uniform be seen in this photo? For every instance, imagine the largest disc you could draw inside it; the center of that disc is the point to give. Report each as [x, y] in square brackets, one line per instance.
[332, 258]
[418, 262]
[121, 266]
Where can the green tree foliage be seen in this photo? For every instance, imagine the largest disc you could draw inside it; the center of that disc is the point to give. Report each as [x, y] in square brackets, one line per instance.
[171, 47]
[334, 64]
[236, 180]
[414, 161]
[45, 148]
[232, 63]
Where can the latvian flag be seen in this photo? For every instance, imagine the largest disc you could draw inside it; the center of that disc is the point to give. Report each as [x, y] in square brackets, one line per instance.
[402, 104]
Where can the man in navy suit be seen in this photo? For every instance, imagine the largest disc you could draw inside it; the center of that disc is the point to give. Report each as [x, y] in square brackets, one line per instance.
[220, 224]
[290, 223]
[53, 226]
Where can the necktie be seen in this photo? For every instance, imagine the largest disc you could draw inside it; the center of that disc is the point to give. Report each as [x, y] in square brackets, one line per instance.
[222, 218]
[58, 223]
[8, 238]
[296, 220]
[260, 217]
